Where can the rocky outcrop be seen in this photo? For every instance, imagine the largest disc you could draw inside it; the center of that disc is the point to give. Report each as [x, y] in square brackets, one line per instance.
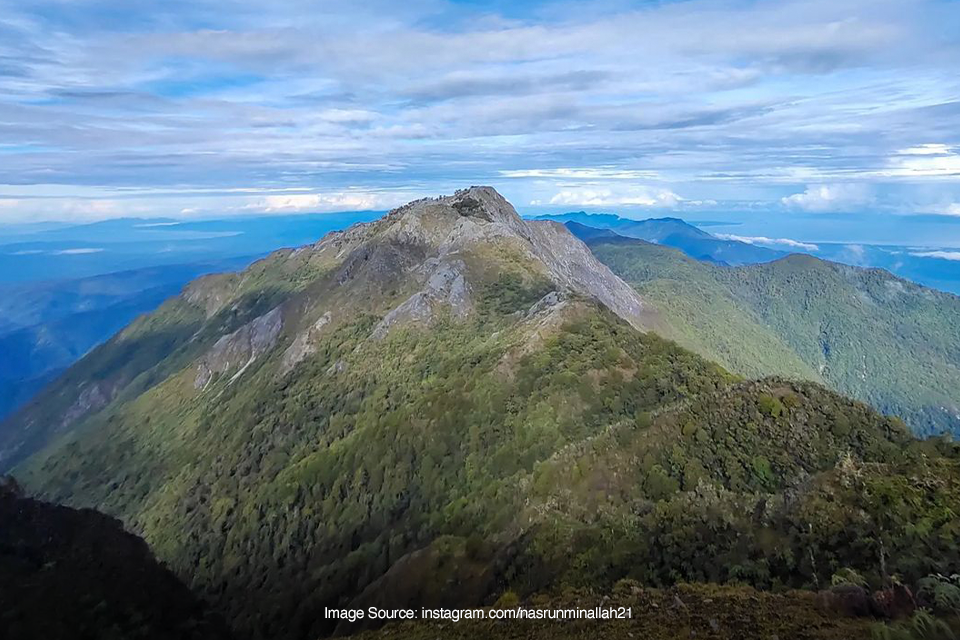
[571, 264]
[240, 348]
[93, 397]
[303, 345]
[445, 287]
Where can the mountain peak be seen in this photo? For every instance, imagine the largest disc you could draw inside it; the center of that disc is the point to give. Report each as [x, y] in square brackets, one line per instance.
[476, 233]
[478, 202]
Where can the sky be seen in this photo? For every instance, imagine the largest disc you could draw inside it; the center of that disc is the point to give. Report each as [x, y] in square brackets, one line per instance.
[199, 108]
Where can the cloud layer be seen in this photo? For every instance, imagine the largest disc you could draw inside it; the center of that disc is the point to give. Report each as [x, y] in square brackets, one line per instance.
[135, 108]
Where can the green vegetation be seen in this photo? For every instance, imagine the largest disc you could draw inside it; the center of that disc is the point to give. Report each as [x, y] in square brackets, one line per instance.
[864, 332]
[286, 495]
[423, 434]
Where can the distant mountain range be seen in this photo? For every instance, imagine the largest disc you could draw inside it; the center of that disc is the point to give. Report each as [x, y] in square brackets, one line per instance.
[864, 332]
[452, 406]
[930, 266]
[673, 232]
[45, 327]
[65, 288]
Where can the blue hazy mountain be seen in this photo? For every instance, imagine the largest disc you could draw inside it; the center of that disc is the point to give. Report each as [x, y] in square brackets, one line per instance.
[64, 289]
[46, 326]
[76, 251]
[674, 232]
[931, 266]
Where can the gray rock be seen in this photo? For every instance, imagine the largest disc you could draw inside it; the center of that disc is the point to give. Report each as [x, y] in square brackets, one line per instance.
[445, 286]
[240, 348]
[303, 345]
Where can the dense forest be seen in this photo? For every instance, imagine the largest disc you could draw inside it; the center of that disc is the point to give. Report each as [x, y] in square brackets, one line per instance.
[864, 332]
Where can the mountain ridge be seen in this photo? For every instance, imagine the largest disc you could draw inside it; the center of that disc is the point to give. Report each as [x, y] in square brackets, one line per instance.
[853, 328]
[478, 217]
[674, 232]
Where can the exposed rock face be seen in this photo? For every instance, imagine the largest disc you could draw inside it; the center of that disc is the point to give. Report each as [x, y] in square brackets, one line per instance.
[240, 348]
[446, 286]
[93, 397]
[545, 304]
[572, 264]
[478, 217]
[303, 345]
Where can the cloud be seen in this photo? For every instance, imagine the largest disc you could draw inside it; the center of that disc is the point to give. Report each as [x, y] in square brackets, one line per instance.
[945, 255]
[927, 150]
[64, 208]
[77, 252]
[464, 85]
[734, 101]
[929, 160]
[854, 254]
[320, 202]
[764, 241]
[822, 198]
[601, 197]
[586, 173]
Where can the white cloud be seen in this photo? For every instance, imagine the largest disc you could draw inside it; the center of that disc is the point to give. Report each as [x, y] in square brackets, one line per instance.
[853, 254]
[584, 173]
[601, 197]
[77, 252]
[67, 209]
[927, 150]
[762, 240]
[348, 115]
[825, 197]
[750, 96]
[946, 255]
[341, 201]
[924, 161]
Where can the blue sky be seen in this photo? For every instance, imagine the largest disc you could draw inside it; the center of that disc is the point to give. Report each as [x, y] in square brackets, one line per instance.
[113, 108]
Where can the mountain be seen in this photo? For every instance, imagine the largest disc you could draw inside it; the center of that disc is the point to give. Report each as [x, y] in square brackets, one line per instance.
[45, 327]
[451, 404]
[671, 232]
[69, 574]
[864, 332]
[585, 233]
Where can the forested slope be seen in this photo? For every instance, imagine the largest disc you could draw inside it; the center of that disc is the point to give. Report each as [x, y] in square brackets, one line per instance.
[864, 332]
